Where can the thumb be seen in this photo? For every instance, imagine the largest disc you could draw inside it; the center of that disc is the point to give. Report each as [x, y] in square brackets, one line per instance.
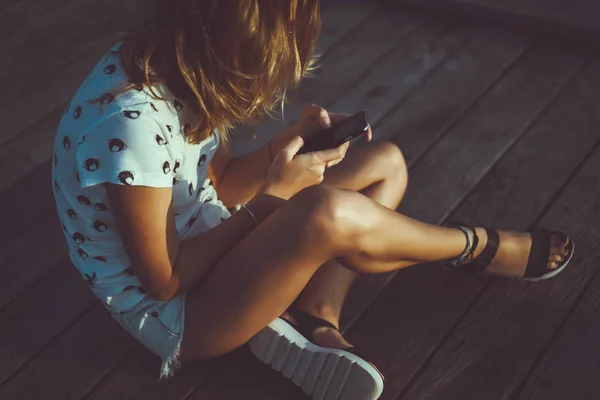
[290, 149]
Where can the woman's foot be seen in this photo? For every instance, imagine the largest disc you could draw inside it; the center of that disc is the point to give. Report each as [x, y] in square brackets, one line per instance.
[324, 336]
[513, 252]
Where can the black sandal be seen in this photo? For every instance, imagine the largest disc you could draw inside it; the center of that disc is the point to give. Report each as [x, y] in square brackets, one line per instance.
[325, 373]
[537, 263]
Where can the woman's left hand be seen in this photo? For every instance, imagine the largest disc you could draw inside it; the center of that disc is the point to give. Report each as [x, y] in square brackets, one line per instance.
[315, 119]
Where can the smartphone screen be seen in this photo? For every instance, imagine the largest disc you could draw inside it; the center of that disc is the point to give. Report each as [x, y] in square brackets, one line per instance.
[338, 134]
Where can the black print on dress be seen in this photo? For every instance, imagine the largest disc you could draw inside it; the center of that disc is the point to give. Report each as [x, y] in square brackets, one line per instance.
[110, 69]
[208, 200]
[200, 192]
[67, 109]
[166, 167]
[202, 160]
[129, 271]
[82, 254]
[99, 226]
[91, 164]
[176, 167]
[126, 178]
[56, 187]
[100, 207]
[77, 177]
[71, 213]
[83, 200]
[191, 188]
[64, 227]
[100, 258]
[77, 112]
[128, 288]
[141, 290]
[154, 314]
[78, 238]
[153, 107]
[82, 140]
[55, 160]
[175, 181]
[160, 140]
[116, 145]
[91, 280]
[66, 143]
[177, 104]
[170, 128]
[191, 222]
[223, 219]
[131, 114]
[107, 98]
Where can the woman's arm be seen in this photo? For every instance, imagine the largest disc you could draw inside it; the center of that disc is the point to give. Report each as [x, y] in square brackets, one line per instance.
[164, 266]
[238, 179]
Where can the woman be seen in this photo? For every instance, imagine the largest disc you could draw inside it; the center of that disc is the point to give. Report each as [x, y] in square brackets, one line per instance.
[154, 239]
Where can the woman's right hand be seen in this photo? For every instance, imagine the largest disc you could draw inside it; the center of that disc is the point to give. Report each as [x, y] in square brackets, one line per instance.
[290, 173]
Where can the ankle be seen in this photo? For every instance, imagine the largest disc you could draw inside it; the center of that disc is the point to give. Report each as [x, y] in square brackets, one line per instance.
[319, 309]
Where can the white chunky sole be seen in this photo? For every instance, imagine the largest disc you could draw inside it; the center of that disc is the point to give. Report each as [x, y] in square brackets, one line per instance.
[323, 373]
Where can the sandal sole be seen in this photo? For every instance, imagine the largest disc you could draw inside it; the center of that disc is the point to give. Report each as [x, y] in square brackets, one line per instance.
[323, 373]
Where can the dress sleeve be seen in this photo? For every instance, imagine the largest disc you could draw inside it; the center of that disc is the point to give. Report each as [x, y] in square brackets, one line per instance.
[127, 148]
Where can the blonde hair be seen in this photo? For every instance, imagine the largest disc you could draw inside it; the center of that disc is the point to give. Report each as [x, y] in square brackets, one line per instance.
[231, 61]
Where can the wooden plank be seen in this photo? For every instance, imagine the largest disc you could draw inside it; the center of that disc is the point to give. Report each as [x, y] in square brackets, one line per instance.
[421, 118]
[25, 202]
[31, 149]
[568, 368]
[393, 77]
[35, 320]
[73, 365]
[137, 379]
[51, 94]
[77, 29]
[30, 256]
[17, 14]
[431, 110]
[424, 318]
[338, 18]
[497, 341]
[556, 19]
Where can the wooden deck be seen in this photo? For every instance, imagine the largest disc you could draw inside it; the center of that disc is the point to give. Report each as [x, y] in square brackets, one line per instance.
[498, 126]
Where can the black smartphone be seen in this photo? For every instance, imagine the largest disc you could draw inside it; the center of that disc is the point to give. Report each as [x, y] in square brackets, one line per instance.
[337, 134]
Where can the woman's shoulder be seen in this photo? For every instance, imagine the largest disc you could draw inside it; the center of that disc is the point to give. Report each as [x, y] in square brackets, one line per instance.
[101, 96]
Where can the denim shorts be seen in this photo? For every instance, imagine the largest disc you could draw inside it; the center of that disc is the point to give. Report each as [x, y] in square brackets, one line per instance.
[158, 325]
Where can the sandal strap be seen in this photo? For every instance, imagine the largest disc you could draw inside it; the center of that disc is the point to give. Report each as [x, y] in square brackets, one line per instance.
[307, 323]
[484, 259]
[537, 263]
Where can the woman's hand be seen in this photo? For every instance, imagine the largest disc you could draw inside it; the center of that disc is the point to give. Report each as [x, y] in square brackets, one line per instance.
[315, 119]
[290, 173]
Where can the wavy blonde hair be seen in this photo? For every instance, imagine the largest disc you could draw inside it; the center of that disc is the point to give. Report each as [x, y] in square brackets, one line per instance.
[231, 61]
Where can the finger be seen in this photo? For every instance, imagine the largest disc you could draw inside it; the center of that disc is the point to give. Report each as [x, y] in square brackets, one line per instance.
[325, 156]
[369, 134]
[290, 149]
[313, 120]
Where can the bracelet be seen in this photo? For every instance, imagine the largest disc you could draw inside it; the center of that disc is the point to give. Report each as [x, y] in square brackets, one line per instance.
[250, 213]
[270, 151]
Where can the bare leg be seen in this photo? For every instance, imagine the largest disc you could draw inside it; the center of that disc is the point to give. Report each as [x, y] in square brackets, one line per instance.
[266, 271]
[377, 170]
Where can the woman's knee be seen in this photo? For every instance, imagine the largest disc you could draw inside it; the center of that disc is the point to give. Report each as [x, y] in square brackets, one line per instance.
[334, 214]
[392, 162]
